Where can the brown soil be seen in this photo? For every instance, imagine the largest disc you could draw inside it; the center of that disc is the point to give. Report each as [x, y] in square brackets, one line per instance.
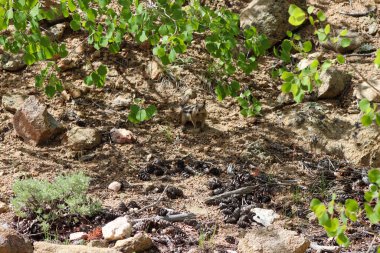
[268, 143]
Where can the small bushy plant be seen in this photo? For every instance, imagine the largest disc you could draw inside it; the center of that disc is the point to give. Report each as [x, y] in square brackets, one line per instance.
[49, 202]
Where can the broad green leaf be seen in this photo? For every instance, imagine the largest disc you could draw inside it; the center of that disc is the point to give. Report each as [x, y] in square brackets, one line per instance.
[366, 120]
[102, 70]
[351, 209]
[345, 42]
[297, 15]
[310, 9]
[285, 87]
[327, 29]
[364, 105]
[343, 33]
[307, 46]
[150, 111]
[374, 176]
[141, 115]
[340, 58]
[172, 55]
[321, 16]
[343, 240]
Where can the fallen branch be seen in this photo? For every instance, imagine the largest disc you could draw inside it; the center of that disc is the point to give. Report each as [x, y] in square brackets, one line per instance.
[320, 248]
[155, 203]
[171, 218]
[240, 191]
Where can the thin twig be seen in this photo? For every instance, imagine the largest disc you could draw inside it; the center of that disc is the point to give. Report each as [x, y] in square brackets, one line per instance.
[370, 246]
[155, 203]
[362, 77]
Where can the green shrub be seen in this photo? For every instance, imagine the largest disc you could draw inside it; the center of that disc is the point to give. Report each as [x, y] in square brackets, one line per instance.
[61, 200]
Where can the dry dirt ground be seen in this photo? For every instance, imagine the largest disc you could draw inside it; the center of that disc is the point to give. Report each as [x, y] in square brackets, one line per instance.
[269, 144]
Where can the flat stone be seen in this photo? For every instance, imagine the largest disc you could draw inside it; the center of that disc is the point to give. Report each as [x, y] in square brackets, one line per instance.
[79, 138]
[77, 236]
[46, 247]
[273, 240]
[137, 243]
[13, 102]
[12, 62]
[366, 90]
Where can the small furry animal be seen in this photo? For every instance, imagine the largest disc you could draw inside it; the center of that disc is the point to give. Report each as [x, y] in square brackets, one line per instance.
[194, 113]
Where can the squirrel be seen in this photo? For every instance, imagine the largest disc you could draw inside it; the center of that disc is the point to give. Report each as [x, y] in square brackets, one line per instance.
[194, 113]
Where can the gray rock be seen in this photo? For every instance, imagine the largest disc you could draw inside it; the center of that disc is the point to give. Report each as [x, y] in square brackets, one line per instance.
[120, 102]
[373, 27]
[137, 243]
[269, 17]
[366, 90]
[56, 32]
[264, 216]
[98, 243]
[356, 41]
[34, 124]
[12, 103]
[12, 62]
[261, 240]
[46, 247]
[333, 83]
[83, 138]
[12, 242]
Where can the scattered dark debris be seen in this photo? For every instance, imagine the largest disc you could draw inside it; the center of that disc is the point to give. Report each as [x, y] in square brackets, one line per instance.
[174, 193]
[184, 167]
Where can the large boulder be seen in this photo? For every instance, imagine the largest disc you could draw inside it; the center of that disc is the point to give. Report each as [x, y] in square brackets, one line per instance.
[34, 124]
[261, 240]
[269, 17]
[12, 242]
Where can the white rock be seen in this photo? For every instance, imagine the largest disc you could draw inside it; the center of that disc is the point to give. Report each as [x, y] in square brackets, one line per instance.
[120, 228]
[120, 102]
[273, 240]
[77, 236]
[264, 216]
[122, 136]
[115, 186]
[366, 90]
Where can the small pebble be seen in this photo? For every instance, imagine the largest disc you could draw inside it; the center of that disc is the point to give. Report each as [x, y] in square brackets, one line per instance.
[115, 186]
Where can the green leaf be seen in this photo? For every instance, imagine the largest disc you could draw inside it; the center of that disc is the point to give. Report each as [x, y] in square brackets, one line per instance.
[343, 240]
[285, 87]
[141, 115]
[366, 120]
[310, 9]
[172, 55]
[351, 209]
[374, 176]
[307, 46]
[345, 42]
[143, 37]
[371, 215]
[297, 15]
[364, 105]
[340, 58]
[75, 25]
[50, 91]
[321, 16]
[102, 70]
[377, 59]
[151, 110]
[220, 92]
[343, 33]
[327, 29]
